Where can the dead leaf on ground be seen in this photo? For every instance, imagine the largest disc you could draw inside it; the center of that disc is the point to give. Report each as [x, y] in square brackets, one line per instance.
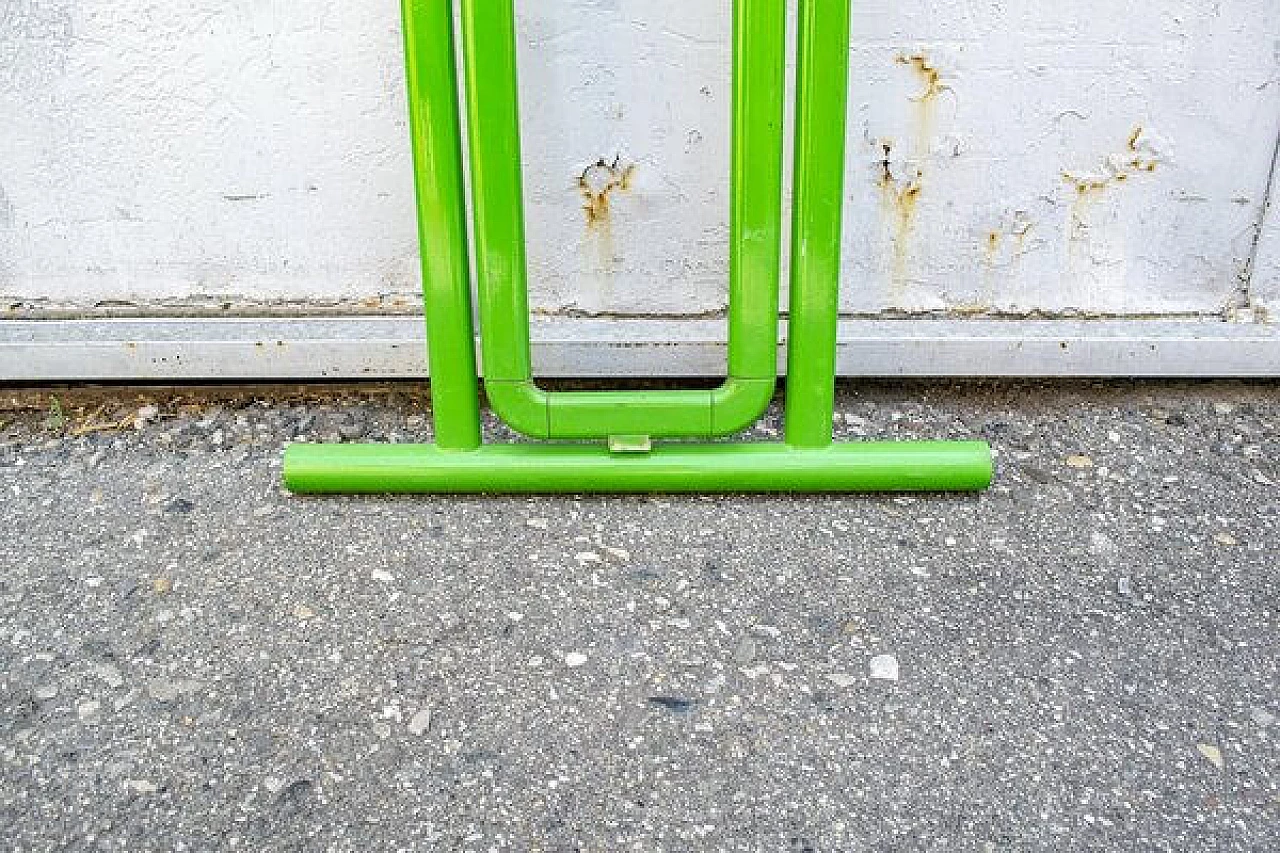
[1211, 754]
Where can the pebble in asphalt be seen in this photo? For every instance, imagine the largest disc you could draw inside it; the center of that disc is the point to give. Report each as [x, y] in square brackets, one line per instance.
[1083, 658]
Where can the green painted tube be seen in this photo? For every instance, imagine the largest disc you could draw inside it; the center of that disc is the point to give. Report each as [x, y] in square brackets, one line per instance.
[493, 130]
[755, 191]
[759, 85]
[821, 109]
[446, 274]
[673, 468]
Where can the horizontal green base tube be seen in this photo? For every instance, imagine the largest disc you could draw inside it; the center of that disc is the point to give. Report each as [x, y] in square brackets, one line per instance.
[925, 466]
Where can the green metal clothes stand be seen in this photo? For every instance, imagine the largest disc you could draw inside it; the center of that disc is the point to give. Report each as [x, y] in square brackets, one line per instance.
[602, 441]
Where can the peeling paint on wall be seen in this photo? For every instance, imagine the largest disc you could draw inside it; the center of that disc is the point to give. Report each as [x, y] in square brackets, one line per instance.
[597, 184]
[1092, 247]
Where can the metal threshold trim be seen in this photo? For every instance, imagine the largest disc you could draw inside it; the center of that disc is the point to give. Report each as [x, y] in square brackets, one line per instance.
[393, 348]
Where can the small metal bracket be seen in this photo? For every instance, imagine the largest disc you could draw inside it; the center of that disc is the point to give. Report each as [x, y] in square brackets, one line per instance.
[630, 444]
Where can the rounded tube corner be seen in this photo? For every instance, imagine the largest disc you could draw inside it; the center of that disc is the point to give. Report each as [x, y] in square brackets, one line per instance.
[739, 403]
[521, 405]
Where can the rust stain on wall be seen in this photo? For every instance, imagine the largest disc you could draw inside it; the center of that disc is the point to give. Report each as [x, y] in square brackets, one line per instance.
[600, 180]
[1001, 249]
[928, 72]
[900, 201]
[1137, 159]
[1140, 156]
[1142, 160]
[926, 103]
[900, 197]
[994, 238]
[990, 265]
[1079, 216]
[598, 183]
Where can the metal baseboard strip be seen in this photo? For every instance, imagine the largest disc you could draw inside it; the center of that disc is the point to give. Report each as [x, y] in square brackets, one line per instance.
[353, 348]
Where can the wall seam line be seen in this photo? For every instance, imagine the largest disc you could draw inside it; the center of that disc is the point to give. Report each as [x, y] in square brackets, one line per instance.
[1245, 292]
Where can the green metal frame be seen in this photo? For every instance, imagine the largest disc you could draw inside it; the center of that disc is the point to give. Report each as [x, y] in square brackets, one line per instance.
[621, 423]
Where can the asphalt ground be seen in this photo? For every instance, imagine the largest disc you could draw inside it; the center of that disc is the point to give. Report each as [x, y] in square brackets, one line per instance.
[1084, 657]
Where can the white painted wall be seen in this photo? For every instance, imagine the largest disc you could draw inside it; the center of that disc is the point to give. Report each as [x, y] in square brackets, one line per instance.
[254, 151]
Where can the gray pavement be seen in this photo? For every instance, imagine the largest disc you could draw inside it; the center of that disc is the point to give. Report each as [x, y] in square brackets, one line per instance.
[1083, 658]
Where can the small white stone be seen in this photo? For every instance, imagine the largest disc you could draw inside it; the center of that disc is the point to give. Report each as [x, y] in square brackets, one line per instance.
[164, 690]
[842, 679]
[536, 523]
[585, 557]
[1262, 717]
[573, 660]
[382, 575]
[420, 722]
[141, 786]
[622, 555]
[88, 709]
[884, 667]
[1101, 543]
[273, 784]
[145, 415]
[109, 675]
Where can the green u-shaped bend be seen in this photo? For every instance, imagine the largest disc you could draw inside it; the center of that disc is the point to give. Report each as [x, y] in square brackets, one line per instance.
[759, 80]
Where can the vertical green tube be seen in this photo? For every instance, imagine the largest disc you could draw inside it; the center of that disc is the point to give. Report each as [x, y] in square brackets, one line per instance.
[755, 229]
[497, 193]
[822, 89]
[442, 235]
